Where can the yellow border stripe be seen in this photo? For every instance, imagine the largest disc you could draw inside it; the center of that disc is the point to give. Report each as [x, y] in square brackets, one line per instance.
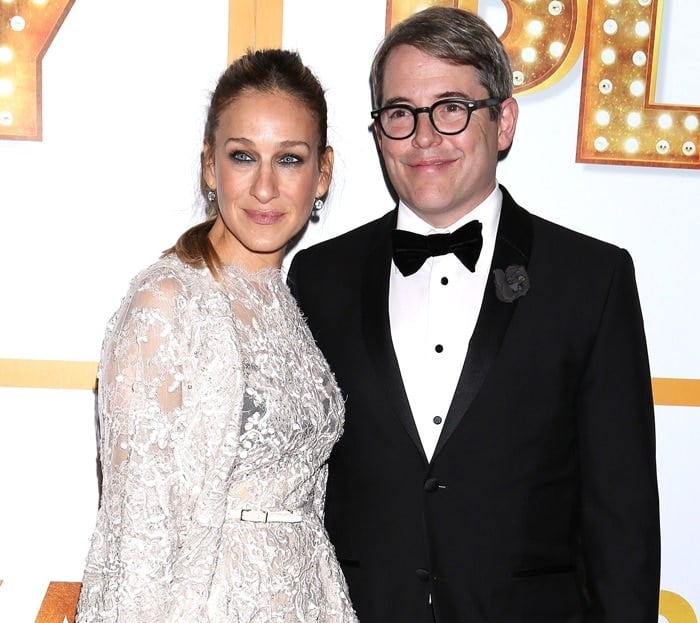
[48, 374]
[676, 392]
[81, 375]
[254, 25]
[241, 27]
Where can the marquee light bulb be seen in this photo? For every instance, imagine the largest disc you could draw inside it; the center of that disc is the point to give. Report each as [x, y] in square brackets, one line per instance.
[602, 117]
[637, 88]
[691, 123]
[665, 121]
[642, 29]
[608, 56]
[609, 26]
[634, 120]
[529, 55]
[17, 23]
[631, 145]
[556, 49]
[6, 87]
[535, 27]
[6, 54]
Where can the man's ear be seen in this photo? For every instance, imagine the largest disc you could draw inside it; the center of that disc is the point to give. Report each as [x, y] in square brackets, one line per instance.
[378, 138]
[377, 133]
[507, 121]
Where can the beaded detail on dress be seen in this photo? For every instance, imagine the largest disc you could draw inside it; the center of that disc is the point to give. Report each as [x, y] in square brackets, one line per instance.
[213, 398]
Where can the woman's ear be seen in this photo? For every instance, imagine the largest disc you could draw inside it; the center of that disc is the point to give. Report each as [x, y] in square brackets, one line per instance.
[326, 167]
[208, 167]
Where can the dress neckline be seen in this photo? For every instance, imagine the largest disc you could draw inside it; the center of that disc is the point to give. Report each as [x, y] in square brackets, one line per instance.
[257, 275]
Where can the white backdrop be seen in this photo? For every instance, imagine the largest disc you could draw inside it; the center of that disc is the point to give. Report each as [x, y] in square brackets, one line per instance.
[114, 181]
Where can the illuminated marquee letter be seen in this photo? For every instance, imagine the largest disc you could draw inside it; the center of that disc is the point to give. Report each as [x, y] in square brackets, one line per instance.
[398, 10]
[26, 31]
[543, 38]
[60, 603]
[619, 123]
[675, 609]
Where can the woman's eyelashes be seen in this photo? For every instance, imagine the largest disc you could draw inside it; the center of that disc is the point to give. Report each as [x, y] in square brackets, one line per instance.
[291, 159]
[284, 159]
[241, 156]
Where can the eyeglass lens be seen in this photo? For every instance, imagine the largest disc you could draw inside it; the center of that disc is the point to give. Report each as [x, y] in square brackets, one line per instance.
[448, 117]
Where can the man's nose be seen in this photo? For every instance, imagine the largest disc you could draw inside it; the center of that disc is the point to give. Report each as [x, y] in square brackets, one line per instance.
[425, 134]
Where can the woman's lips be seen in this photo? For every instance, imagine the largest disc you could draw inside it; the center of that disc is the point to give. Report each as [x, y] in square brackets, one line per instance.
[264, 217]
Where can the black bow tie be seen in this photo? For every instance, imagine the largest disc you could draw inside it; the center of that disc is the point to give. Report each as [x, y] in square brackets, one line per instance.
[411, 250]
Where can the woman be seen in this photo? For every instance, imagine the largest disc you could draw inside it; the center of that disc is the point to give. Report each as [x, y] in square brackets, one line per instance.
[217, 410]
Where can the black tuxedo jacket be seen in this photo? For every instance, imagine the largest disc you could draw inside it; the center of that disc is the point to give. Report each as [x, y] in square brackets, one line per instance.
[540, 503]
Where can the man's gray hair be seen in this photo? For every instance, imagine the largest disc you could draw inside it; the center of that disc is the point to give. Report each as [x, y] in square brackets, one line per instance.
[455, 36]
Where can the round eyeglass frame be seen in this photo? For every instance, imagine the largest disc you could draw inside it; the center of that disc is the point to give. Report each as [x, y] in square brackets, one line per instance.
[471, 105]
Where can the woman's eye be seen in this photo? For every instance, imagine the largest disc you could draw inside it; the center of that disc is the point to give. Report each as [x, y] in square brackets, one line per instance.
[290, 159]
[241, 156]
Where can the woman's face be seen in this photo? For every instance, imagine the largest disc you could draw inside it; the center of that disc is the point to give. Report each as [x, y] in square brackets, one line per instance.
[266, 171]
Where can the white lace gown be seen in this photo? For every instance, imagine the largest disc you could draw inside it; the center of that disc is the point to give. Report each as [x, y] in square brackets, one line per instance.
[213, 398]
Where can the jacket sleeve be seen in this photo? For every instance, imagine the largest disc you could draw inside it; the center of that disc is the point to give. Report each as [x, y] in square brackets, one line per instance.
[616, 441]
[293, 276]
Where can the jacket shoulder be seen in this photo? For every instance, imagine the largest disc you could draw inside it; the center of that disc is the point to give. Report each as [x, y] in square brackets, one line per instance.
[350, 241]
[547, 233]
[567, 242]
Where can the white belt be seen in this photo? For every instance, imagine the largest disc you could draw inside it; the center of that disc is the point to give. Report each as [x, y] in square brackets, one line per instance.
[259, 516]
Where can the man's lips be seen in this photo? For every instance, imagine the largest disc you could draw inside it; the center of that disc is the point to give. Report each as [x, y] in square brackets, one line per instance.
[430, 163]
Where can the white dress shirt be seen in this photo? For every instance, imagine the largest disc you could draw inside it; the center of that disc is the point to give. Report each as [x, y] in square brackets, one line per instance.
[433, 313]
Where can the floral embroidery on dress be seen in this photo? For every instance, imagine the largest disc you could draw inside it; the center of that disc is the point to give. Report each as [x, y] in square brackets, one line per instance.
[213, 398]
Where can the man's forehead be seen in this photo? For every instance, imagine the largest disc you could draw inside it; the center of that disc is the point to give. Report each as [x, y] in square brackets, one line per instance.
[408, 74]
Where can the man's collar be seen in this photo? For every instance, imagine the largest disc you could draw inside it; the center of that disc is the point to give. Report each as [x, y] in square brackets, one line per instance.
[487, 212]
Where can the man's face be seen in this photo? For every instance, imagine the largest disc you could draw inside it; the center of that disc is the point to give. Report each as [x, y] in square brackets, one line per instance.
[441, 178]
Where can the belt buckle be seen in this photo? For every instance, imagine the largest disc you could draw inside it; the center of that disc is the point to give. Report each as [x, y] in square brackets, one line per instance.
[257, 516]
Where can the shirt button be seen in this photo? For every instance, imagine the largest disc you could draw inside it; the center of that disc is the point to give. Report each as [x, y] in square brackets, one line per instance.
[431, 484]
[437, 420]
[422, 575]
[444, 281]
[439, 348]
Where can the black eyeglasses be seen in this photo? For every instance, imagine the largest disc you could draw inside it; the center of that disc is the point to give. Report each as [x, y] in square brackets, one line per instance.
[448, 116]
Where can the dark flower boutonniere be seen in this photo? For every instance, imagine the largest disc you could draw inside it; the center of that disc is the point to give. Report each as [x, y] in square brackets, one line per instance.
[511, 283]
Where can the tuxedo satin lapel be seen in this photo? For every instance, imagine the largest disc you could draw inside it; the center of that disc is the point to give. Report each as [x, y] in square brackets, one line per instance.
[513, 245]
[377, 330]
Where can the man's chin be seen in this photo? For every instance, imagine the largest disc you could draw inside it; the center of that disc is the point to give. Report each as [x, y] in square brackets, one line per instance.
[437, 213]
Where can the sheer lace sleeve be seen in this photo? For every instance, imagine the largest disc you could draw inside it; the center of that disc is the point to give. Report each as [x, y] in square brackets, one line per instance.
[140, 399]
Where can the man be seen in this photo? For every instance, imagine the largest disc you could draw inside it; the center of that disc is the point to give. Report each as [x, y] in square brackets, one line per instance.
[498, 460]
